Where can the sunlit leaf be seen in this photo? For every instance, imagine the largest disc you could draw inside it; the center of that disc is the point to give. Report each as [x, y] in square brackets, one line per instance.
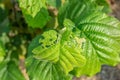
[61, 48]
[101, 34]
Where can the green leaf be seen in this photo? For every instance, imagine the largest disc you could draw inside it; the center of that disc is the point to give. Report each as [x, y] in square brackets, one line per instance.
[2, 52]
[105, 5]
[101, 34]
[42, 70]
[35, 13]
[48, 48]
[10, 71]
[61, 48]
[34, 43]
[79, 12]
[39, 21]
[31, 7]
[93, 64]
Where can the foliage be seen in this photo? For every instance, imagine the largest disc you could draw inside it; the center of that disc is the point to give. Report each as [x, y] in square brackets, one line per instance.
[10, 71]
[2, 52]
[45, 70]
[81, 39]
[93, 27]
[35, 13]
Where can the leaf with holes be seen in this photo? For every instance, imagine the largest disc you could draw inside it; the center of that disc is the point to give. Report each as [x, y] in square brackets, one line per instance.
[61, 48]
[48, 48]
[101, 34]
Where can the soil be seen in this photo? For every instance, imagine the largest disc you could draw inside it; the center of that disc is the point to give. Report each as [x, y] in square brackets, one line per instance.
[115, 6]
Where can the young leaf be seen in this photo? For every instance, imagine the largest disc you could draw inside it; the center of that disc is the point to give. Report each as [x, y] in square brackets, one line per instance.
[61, 48]
[42, 70]
[48, 48]
[101, 34]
